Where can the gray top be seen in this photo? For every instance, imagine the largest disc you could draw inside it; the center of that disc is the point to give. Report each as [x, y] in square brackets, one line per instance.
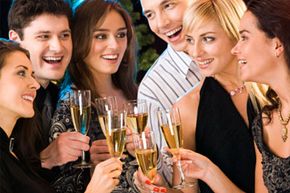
[276, 170]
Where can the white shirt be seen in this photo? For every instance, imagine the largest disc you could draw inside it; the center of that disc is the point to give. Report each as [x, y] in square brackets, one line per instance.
[170, 77]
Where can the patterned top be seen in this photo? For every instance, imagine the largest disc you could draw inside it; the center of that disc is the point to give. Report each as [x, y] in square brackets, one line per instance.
[169, 78]
[75, 180]
[276, 170]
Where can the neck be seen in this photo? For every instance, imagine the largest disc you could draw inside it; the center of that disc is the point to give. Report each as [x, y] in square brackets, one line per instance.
[43, 83]
[7, 123]
[104, 85]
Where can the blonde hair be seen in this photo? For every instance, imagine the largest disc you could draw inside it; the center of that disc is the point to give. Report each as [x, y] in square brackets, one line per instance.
[228, 14]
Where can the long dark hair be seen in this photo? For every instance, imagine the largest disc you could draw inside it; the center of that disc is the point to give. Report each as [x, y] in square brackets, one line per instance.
[27, 130]
[274, 20]
[86, 16]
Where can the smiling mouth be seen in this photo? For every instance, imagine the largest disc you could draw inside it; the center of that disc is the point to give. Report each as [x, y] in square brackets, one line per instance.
[110, 57]
[52, 59]
[174, 33]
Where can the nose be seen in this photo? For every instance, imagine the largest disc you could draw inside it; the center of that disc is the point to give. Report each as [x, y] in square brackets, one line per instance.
[113, 43]
[34, 84]
[162, 21]
[195, 50]
[235, 50]
[55, 44]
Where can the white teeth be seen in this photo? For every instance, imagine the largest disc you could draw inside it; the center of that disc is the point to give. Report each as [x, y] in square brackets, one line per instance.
[205, 62]
[242, 62]
[111, 57]
[52, 58]
[29, 98]
[173, 31]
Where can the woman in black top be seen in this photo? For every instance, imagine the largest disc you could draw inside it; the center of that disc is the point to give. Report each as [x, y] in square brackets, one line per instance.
[18, 91]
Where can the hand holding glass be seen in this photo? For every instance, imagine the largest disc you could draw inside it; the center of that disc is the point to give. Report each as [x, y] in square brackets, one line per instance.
[80, 105]
[171, 127]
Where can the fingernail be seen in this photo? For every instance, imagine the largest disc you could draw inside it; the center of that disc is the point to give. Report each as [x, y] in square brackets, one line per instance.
[163, 190]
[148, 182]
[156, 189]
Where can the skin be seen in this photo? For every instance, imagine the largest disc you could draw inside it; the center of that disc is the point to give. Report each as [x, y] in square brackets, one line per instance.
[270, 69]
[165, 19]
[47, 37]
[19, 86]
[107, 50]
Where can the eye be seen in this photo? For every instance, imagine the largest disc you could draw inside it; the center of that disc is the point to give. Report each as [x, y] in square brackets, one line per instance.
[21, 73]
[42, 37]
[149, 15]
[243, 37]
[101, 36]
[189, 40]
[208, 39]
[65, 36]
[169, 5]
[122, 35]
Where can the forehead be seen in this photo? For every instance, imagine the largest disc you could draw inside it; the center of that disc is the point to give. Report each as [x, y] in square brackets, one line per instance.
[154, 4]
[14, 59]
[113, 19]
[211, 26]
[49, 23]
[248, 21]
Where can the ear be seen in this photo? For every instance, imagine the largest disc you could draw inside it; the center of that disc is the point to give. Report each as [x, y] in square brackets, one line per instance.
[279, 48]
[13, 35]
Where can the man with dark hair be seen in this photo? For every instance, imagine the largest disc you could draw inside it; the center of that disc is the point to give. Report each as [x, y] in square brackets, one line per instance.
[43, 28]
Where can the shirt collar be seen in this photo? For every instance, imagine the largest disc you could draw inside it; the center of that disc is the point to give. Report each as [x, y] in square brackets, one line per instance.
[182, 60]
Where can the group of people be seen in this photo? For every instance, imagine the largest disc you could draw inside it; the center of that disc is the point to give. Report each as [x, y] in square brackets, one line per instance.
[220, 57]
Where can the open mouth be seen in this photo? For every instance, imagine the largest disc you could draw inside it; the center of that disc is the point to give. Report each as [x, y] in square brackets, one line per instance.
[52, 59]
[28, 98]
[110, 56]
[174, 33]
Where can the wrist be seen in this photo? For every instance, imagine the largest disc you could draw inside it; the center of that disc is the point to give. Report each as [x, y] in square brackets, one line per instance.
[45, 163]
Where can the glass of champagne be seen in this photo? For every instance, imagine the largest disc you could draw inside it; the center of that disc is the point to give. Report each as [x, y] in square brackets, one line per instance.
[113, 124]
[80, 105]
[146, 153]
[171, 127]
[137, 115]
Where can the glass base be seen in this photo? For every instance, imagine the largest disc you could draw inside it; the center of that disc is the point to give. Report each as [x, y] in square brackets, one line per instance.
[184, 185]
[83, 165]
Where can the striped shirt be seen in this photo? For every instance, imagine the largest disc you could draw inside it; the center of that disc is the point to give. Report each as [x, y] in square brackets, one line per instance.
[170, 77]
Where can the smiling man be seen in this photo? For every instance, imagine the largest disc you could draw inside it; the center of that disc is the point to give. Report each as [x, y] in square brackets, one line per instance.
[173, 73]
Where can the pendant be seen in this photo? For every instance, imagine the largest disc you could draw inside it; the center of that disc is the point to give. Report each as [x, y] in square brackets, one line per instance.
[284, 133]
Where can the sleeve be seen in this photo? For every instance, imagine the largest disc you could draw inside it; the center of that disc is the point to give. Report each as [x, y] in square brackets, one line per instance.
[4, 178]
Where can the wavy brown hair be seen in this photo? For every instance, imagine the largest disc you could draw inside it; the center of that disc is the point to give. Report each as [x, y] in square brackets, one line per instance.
[86, 16]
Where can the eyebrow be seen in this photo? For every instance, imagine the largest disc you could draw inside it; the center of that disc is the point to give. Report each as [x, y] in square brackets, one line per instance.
[244, 31]
[22, 66]
[48, 32]
[204, 34]
[105, 30]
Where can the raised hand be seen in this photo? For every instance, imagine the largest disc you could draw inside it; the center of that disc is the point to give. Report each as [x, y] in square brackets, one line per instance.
[99, 151]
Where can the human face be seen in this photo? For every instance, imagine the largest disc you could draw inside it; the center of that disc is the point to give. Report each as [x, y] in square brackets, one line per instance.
[165, 19]
[108, 45]
[48, 39]
[210, 47]
[17, 86]
[255, 51]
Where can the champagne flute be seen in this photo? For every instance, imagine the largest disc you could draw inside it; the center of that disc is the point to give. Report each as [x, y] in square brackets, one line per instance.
[80, 105]
[171, 127]
[113, 124]
[146, 153]
[137, 115]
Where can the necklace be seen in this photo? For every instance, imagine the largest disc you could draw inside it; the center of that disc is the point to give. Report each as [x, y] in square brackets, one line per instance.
[284, 122]
[238, 90]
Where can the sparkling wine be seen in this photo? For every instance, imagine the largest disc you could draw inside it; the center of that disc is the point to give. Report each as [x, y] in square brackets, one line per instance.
[116, 139]
[103, 123]
[81, 118]
[173, 135]
[137, 122]
[147, 160]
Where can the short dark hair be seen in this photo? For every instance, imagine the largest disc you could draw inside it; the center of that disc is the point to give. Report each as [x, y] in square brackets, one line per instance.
[22, 12]
[7, 47]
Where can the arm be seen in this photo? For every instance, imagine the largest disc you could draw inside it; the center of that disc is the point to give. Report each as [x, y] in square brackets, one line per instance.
[200, 167]
[259, 182]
